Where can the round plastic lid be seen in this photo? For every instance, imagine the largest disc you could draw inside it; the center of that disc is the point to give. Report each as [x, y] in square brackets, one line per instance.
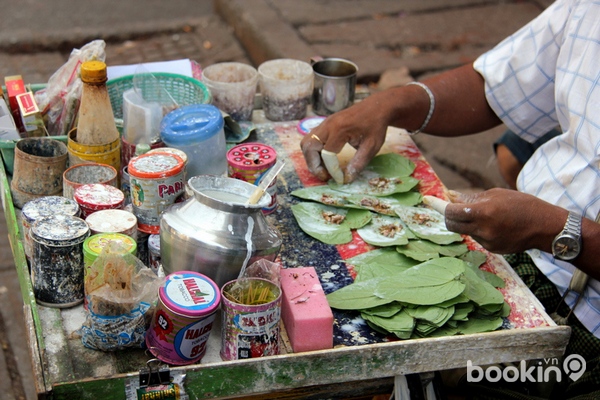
[93, 72]
[190, 293]
[191, 124]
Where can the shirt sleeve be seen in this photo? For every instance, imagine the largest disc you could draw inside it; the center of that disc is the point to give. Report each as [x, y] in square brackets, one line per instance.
[520, 73]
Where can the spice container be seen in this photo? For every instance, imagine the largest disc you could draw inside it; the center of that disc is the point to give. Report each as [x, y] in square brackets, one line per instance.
[81, 174]
[183, 319]
[93, 197]
[249, 162]
[57, 260]
[197, 130]
[44, 207]
[155, 182]
[94, 244]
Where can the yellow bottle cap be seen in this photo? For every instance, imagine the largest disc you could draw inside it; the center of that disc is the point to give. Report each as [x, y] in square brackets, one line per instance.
[93, 72]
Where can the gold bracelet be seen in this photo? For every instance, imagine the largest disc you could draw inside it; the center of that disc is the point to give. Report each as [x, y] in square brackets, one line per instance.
[431, 106]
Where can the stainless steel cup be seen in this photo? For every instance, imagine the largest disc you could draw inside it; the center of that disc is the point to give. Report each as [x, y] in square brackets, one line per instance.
[334, 85]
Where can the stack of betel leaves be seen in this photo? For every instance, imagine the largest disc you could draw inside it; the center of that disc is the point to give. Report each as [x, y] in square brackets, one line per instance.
[421, 280]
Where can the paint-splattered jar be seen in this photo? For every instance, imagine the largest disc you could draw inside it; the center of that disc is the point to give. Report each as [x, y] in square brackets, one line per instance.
[44, 207]
[156, 181]
[93, 197]
[57, 260]
[183, 319]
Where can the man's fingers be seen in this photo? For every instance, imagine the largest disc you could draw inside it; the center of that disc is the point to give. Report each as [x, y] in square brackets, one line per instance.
[359, 161]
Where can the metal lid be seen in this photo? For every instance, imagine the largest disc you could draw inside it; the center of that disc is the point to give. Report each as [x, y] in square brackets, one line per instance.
[154, 243]
[60, 230]
[111, 220]
[94, 244]
[191, 124]
[98, 196]
[48, 205]
[190, 293]
[155, 165]
[93, 72]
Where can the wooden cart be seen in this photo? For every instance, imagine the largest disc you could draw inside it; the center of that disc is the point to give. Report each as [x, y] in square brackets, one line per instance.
[360, 360]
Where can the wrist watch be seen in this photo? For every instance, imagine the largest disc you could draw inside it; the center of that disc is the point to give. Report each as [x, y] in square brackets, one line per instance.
[567, 244]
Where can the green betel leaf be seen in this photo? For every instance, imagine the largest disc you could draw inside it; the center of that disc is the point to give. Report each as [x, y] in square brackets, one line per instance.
[401, 324]
[311, 218]
[429, 283]
[432, 315]
[476, 325]
[462, 311]
[384, 231]
[383, 204]
[427, 224]
[357, 296]
[474, 258]
[424, 250]
[390, 165]
[386, 310]
[379, 262]
[371, 183]
[480, 291]
[356, 219]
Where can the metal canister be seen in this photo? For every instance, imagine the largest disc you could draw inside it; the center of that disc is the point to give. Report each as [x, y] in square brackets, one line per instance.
[113, 221]
[183, 319]
[156, 181]
[57, 260]
[154, 252]
[249, 162]
[93, 197]
[44, 207]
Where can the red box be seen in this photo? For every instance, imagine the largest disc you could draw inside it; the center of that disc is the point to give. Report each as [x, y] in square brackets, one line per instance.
[15, 86]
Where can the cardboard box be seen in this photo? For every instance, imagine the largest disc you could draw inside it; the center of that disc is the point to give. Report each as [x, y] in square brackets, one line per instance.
[15, 86]
[33, 123]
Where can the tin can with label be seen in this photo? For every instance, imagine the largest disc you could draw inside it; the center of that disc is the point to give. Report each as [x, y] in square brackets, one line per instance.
[57, 260]
[156, 181]
[93, 197]
[250, 329]
[44, 207]
[183, 319]
[249, 162]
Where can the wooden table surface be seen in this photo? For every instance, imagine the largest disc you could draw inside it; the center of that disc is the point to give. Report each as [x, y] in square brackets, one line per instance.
[67, 370]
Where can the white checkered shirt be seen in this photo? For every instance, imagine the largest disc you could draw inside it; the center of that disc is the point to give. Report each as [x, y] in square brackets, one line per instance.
[548, 74]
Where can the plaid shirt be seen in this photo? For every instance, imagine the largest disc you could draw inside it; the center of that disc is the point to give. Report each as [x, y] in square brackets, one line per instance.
[548, 74]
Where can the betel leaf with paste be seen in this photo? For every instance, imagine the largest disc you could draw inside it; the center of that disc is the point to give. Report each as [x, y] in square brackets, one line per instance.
[385, 231]
[371, 183]
[381, 205]
[427, 224]
[331, 225]
[423, 250]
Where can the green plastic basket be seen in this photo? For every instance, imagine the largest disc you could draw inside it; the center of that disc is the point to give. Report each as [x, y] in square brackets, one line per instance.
[164, 88]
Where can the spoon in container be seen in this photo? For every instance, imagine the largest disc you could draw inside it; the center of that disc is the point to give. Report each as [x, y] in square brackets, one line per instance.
[265, 182]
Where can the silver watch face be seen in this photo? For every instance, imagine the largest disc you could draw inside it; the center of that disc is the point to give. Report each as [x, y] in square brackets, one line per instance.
[566, 248]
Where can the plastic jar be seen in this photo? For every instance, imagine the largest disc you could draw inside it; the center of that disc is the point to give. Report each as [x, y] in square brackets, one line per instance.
[198, 130]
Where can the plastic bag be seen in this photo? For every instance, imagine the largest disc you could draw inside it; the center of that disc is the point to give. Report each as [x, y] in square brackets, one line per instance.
[121, 294]
[59, 100]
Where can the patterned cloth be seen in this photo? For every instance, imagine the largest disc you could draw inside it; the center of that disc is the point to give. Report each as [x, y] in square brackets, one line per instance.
[548, 74]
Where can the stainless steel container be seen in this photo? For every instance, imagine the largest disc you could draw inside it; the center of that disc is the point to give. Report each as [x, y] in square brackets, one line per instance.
[215, 232]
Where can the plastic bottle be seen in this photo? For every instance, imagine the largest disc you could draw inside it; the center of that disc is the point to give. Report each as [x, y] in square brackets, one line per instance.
[96, 121]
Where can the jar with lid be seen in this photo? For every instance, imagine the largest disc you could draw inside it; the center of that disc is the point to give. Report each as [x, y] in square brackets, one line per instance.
[96, 122]
[197, 130]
